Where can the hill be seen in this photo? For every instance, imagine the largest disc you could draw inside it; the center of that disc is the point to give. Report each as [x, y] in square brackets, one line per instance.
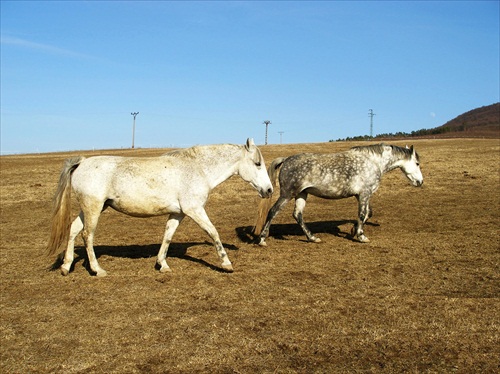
[479, 122]
[483, 122]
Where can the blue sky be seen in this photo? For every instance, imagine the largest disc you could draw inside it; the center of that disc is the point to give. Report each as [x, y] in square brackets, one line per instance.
[212, 72]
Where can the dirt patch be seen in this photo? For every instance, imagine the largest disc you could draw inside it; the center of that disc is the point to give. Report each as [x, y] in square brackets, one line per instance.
[422, 296]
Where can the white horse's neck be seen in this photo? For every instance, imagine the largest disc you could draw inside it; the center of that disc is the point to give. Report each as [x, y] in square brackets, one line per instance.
[218, 162]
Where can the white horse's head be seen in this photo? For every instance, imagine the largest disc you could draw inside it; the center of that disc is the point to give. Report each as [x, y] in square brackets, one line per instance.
[252, 169]
[411, 168]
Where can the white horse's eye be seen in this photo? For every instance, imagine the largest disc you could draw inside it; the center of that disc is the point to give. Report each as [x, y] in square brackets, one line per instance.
[257, 164]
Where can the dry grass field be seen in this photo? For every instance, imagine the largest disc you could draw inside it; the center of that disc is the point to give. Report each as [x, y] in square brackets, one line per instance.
[422, 297]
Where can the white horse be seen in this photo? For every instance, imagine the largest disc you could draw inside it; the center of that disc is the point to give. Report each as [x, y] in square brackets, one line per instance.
[176, 184]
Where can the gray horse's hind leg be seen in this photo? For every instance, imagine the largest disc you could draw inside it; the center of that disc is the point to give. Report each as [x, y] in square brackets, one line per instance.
[364, 212]
[172, 223]
[300, 203]
[278, 205]
[69, 254]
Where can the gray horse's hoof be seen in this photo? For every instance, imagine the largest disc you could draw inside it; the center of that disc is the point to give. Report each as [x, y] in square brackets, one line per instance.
[262, 242]
[363, 239]
[315, 240]
[64, 271]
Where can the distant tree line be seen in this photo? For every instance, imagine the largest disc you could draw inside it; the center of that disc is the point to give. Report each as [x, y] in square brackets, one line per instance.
[417, 133]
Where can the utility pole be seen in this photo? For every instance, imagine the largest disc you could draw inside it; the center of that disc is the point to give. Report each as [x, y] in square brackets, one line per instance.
[281, 136]
[371, 114]
[267, 123]
[133, 128]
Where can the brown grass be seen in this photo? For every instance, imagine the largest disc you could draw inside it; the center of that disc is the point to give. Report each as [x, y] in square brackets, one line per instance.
[423, 296]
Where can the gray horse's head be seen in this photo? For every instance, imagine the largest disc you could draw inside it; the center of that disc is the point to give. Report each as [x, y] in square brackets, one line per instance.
[411, 167]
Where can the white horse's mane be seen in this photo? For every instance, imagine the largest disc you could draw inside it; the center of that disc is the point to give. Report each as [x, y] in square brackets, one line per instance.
[195, 151]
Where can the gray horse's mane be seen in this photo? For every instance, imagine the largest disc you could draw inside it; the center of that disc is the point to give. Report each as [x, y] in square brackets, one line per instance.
[378, 149]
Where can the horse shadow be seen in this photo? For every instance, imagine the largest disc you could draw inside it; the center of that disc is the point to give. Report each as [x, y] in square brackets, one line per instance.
[175, 250]
[280, 231]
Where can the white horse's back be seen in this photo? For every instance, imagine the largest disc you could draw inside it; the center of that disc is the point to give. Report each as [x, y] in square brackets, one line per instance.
[135, 186]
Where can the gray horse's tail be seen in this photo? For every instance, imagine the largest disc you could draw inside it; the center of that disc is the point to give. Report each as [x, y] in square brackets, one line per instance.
[61, 214]
[265, 204]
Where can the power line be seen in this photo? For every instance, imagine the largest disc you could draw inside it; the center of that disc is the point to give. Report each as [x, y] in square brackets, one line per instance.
[371, 114]
[281, 136]
[267, 123]
[133, 128]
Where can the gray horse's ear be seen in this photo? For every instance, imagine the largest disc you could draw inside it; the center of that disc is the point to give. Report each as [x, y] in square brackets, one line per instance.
[411, 149]
[250, 144]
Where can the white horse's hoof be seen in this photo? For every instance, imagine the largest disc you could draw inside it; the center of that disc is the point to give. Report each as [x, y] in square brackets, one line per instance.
[64, 271]
[101, 273]
[165, 270]
[315, 240]
[227, 267]
[262, 243]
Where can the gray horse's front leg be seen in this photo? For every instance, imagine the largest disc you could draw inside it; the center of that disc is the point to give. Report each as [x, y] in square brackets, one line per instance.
[364, 212]
[278, 205]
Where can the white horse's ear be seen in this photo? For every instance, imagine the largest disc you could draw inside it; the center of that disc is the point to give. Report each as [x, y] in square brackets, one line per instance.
[406, 146]
[250, 144]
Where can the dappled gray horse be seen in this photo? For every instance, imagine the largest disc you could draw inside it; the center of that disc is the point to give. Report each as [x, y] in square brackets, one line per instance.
[177, 183]
[356, 172]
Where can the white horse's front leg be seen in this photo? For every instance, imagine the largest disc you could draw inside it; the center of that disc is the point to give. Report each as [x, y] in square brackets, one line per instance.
[172, 223]
[201, 218]
[69, 255]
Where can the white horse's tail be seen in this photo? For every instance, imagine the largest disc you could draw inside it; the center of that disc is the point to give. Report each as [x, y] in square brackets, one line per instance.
[265, 204]
[61, 215]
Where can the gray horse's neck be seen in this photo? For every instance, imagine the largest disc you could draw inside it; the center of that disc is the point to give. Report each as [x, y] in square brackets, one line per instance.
[392, 158]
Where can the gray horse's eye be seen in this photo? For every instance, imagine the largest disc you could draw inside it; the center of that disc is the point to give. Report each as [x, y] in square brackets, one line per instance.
[257, 164]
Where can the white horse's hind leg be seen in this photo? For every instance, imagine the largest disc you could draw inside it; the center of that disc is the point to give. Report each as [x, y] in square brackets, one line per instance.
[172, 223]
[200, 217]
[69, 255]
[89, 226]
